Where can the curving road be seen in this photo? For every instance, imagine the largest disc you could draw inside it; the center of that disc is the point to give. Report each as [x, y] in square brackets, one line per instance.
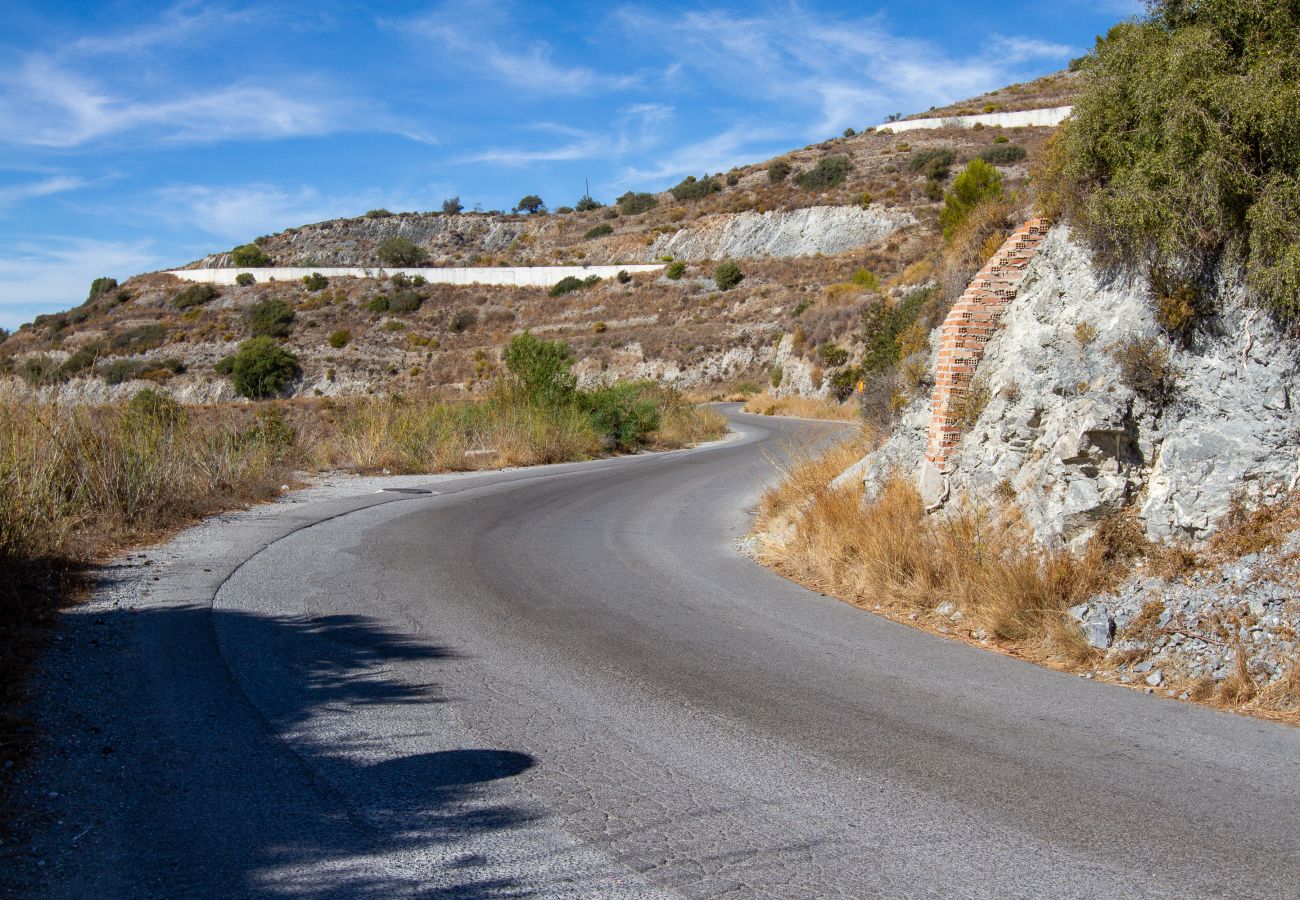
[567, 682]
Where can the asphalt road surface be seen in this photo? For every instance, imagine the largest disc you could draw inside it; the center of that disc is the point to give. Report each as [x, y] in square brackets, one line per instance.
[567, 682]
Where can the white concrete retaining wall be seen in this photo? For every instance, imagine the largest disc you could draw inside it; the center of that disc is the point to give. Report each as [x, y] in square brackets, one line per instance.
[1024, 119]
[519, 276]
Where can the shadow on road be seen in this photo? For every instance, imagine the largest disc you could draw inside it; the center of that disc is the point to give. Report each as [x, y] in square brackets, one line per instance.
[157, 776]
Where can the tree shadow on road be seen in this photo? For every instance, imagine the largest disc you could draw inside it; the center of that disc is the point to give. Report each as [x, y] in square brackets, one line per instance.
[171, 781]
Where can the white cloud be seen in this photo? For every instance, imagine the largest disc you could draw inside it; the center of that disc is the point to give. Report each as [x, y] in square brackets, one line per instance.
[54, 273]
[732, 147]
[16, 193]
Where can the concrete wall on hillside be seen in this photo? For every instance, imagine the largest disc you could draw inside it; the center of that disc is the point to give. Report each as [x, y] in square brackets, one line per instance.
[518, 276]
[1023, 119]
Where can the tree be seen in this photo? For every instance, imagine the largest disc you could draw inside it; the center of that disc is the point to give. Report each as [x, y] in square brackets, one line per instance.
[452, 206]
[978, 182]
[101, 286]
[542, 370]
[262, 368]
[587, 203]
[1183, 150]
[634, 202]
[401, 251]
[531, 203]
[249, 256]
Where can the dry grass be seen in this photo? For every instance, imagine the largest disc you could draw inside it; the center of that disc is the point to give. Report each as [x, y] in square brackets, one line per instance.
[765, 404]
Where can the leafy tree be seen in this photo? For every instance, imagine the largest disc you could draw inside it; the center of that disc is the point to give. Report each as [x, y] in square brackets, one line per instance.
[1184, 146]
[692, 188]
[452, 206]
[542, 370]
[978, 182]
[270, 318]
[249, 256]
[401, 251]
[634, 203]
[262, 368]
[101, 286]
[587, 203]
[532, 204]
[727, 276]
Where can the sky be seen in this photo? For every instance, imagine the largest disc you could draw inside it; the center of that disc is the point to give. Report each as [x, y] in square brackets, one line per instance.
[135, 137]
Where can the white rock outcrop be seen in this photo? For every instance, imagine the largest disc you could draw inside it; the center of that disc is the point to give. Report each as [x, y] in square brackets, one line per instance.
[1071, 443]
[799, 232]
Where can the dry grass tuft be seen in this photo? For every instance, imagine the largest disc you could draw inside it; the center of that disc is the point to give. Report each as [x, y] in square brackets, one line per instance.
[765, 404]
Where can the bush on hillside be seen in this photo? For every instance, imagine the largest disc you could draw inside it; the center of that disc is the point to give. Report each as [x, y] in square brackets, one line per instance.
[340, 339]
[315, 282]
[601, 230]
[194, 295]
[401, 251]
[1184, 144]
[245, 279]
[675, 270]
[452, 206]
[727, 276]
[380, 213]
[101, 286]
[462, 320]
[1003, 154]
[633, 203]
[586, 203]
[531, 203]
[263, 368]
[933, 162]
[624, 413]
[405, 302]
[270, 318]
[978, 182]
[829, 172]
[692, 188]
[377, 304]
[569, 283]
[249, 256]
[138, 339]
[541, 371]
[778, 170]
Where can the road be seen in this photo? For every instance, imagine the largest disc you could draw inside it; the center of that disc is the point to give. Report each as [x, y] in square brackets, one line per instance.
[566, 681]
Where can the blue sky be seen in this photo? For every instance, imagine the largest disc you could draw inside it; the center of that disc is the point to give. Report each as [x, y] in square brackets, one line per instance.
[137, 136]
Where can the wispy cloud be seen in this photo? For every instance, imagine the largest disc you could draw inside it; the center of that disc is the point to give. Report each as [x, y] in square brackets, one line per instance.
[734, 146]
[13, 194]
[43, 275]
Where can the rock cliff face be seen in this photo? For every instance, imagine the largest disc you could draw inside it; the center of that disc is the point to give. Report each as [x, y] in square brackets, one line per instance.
[800, 232]
[1068, 439]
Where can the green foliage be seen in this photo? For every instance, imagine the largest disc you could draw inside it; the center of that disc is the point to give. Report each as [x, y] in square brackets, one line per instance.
[81, 360]
[675, 270]
[452, 206]
[101, 286]
[829, 172]
[881, 326]
[149, 408]
[625, 413]
[117, 371]
[692, 188]
[249, 256]
[405, 301]
[727, 275]
[1184, 145]
[245, 279]
[933, 162]
[1145, 368]
[562, 210]
[377, 304]
[138, 339]
[225, 365]
[776, 376]
[624, 276]
[843, 381]
[340, 339]
[531, 203]
[462, 320]
[401, 251]
[800, 308]
[979, 181]
[380, 213]
[849, 132]
[394, 325]
[865, 278]
[315, 281]
[600, 230]
[832, 355]
[586, 203]
[271, 317]
[778, 170]
[566, 285]
[1003, 154]
[194, 295]
[634, 203]
[541, 371]
[262, 368]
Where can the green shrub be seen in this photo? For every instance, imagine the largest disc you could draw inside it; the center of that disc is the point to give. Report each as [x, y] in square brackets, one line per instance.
[452, 206]
[832, 355]
[566, 285]
[864, 278]
[401, 251]
[1184, 144]
[692, 188]
[727, 275]
[394, 325]
[405, 302]
[262, 368]
[194, 295]
[1003, 154]
[634, 203]
[541, 371]
[81, 360]
[380, 213]
[623, 276]
[978, 182]
[562, 210]
[315, 281]
[843, 382]
[271, 317]
[625, 413]
[599, 231]
[462, 320]
[340, 339]
[249, 256]
[829, 172]
[1145, 368]
[225, 365]
[377, 304]
[776, 376]
[245, 279]
[101, 286]
[138, 339]
[933, 190]
[933, 162]
[531, 203]
[675, 270]
[586, 203]
[881, 326]
[778, 170]
[117, 371]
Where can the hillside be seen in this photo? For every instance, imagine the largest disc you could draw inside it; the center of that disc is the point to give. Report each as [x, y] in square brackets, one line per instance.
[799, 226]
